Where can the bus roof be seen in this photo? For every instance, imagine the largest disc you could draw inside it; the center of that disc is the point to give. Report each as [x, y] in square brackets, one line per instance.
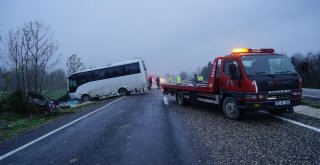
[111, 65]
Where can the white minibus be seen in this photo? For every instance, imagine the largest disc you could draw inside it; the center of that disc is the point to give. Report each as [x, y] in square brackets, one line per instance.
[117, 79]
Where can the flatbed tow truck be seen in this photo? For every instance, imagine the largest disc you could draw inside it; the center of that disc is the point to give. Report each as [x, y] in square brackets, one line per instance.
[245, 80]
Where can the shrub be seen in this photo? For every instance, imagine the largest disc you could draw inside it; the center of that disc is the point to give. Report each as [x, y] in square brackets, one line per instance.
[16, 103]
[1, 107]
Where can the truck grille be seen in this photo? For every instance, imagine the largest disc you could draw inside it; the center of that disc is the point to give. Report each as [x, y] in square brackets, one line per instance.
[273, 97]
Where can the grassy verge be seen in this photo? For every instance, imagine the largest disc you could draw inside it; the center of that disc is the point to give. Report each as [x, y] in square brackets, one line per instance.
[311, 103]
[12, 125]
[4, 95]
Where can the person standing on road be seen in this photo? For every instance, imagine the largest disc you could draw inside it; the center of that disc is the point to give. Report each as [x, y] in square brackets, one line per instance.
[150, 82]
[178, 79]
[195, 79]
[158, 82]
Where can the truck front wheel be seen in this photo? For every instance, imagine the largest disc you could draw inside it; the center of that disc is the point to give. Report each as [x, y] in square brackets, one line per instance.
[230, 108]
[180, 98]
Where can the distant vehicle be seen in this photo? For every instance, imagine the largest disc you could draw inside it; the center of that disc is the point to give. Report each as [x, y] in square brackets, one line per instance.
[247, 79]
[117, 79]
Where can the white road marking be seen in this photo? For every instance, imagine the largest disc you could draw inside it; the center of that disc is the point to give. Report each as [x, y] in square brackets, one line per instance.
[294, 122]
[298, 123]
[165, 100]
[56, 130]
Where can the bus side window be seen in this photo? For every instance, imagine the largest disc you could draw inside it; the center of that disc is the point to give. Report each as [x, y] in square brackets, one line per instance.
[115, 71]
[112, 72]
[108, 73]
[127, 69]
[136, 68]
[99, 74]
[83, 78]
[119, 70]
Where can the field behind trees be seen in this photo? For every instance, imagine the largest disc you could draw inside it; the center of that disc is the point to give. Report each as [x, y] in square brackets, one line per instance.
[311, 78]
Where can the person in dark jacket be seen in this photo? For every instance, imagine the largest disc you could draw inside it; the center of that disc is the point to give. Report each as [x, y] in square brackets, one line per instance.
[158, 82]
[195, 79]
[150, 82]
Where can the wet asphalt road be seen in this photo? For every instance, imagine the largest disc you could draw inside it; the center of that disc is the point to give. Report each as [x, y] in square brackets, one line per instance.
[141, 129]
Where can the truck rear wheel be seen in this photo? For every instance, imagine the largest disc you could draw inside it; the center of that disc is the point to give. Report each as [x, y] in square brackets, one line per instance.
[230, 108]
[180, 98]
[278, 111]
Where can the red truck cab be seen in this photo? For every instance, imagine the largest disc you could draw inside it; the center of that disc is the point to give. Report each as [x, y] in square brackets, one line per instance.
[246, 80]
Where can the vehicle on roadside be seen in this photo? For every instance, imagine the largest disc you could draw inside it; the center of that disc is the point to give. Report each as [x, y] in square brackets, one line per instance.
[117, 79]
[43, 104]
[245, 80]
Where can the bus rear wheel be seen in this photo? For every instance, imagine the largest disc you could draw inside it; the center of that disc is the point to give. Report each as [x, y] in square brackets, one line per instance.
[85, 98]
[123, 91]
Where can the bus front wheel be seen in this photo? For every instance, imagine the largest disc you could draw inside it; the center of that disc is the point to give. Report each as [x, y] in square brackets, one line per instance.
[123, 91]
[85, 98]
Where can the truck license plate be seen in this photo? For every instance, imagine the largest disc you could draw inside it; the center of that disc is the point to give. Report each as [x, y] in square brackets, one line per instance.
[282, 102]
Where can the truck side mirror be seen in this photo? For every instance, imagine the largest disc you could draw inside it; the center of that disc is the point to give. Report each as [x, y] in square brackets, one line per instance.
[294, 61]
[304, 67]
[234, 70]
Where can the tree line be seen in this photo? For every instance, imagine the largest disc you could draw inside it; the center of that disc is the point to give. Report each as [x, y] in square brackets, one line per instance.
[28, 61]
[29, 53]
[310, 77]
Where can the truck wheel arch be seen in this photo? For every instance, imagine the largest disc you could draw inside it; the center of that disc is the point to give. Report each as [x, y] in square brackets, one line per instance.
[225, 95]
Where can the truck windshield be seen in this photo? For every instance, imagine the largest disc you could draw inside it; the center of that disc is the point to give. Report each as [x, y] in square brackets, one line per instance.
[267, 65]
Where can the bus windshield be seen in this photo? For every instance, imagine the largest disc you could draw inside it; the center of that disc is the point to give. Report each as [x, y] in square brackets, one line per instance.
[267, 65]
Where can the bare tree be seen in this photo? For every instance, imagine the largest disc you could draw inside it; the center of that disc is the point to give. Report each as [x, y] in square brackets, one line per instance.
[74, 64]
[31, 54]
[1, 52]
[41, 48]
[16, 59]
[308, 65]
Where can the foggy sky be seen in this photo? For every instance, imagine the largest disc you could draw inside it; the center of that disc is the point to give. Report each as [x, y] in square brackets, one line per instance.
[170, 36]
